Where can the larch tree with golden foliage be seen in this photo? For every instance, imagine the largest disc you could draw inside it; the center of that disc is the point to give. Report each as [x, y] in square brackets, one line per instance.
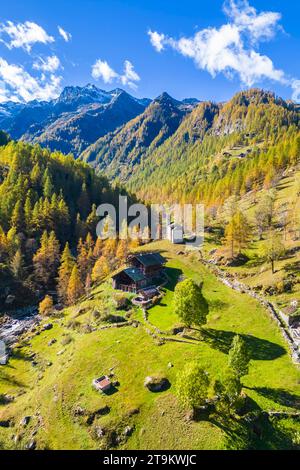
[237, 233]
[46, 306]
[100, 270]
[75, 287]
[64, 272]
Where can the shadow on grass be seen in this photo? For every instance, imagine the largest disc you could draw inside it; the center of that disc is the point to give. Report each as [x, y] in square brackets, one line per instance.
[259, 349]
[292, 267]
[21, 355]
[11, 380]
[278, 395]
[253, 431]
[111, 391]
[173, 276]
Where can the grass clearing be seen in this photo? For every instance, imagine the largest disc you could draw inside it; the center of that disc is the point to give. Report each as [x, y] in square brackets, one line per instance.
[50, 394]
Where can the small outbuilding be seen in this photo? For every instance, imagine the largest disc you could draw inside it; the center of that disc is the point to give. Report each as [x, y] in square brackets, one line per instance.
[102, 384]
[175, 233]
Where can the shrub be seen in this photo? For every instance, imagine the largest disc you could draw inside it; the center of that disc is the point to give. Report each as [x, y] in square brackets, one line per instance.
[46, 306]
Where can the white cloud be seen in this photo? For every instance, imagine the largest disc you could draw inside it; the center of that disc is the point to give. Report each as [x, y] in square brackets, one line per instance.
[18, 85]
[129, 76]
[259, 25]
[49, 64]
[65, 35]
[296, 90]
[24, 35]
[231, 49]
[102, 70]
[156, 40]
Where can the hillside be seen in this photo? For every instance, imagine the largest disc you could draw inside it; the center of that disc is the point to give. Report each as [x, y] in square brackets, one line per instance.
[216, 150]
[283, 200]
[49, 377]
[47, 203]
[119, 152]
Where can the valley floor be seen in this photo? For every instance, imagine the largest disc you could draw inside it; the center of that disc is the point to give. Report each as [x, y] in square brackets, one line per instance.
[51, 382]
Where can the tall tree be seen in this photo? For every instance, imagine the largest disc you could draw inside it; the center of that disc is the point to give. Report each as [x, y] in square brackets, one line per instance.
[238, 357]
[273, 248]
[189, 303]
[16, 265]
[75, 287]
[64, 272]
[17, 218]
[192, 386]
[100, 270]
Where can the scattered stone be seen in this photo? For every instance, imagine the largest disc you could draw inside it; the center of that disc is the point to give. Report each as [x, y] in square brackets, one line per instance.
[99, 432]
[128, 431]
[34, 363]
[5, 399]
[59, 353]
[31, 445]
[79, 411]
[5, 423]
[17, 438]
[189, 416]
[48, 326]
[170, 365]
[103, 411]
[52, 341]
[49, 364]
[24, 421]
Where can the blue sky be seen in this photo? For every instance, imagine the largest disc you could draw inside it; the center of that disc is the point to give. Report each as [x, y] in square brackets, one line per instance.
[207, 50]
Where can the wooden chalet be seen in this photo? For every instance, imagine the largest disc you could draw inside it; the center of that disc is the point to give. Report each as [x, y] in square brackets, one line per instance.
[150, 264]
[144, 269]
[129, 280]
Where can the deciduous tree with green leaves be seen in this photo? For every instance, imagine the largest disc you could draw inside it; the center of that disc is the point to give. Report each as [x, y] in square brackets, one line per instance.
[239, 357]
[192, 386]
[189, 303]
[273, 249]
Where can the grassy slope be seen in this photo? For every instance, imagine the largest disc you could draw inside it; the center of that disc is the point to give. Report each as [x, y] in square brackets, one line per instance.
[54, 391]
[256, 271]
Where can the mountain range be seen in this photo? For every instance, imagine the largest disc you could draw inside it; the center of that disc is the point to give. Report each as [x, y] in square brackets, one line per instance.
[76, 119]
[183, 147]
[187, 146]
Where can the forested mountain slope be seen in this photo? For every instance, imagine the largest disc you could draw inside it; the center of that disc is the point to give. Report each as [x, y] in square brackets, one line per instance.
[221, 150]
[119, 152]
[216, 150]
[47, 216]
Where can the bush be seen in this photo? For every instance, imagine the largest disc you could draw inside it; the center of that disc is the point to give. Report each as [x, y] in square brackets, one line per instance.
[46, 306]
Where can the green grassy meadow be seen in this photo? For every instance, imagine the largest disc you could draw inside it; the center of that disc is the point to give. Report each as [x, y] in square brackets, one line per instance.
[59, 383]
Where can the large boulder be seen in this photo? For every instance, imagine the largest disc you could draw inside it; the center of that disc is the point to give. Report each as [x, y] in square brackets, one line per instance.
[156, 383]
